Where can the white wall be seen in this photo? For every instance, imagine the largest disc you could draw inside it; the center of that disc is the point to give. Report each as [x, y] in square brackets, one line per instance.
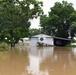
[44, 40]
[33, 41]
[48, 41]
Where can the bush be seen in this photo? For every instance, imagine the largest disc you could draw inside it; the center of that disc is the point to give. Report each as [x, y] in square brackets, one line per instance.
[73, 40]
[40, 44]
[69, 45]
[3, 46]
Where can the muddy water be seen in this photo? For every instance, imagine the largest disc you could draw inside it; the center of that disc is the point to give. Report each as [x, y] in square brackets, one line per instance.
[38, 61]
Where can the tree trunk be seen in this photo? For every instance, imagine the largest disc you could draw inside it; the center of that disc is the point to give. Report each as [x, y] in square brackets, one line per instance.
[12, 45]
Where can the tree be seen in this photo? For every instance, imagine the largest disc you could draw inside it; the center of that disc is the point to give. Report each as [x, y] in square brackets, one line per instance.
[15, 16]
[73, 29]
[60, 19]
[45, 24]
[35, 31]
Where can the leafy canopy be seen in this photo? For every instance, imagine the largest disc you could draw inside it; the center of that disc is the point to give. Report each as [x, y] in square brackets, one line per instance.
[15, 16]
[60, 20]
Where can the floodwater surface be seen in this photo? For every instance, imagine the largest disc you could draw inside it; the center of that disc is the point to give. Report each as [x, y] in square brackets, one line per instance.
[38, 61]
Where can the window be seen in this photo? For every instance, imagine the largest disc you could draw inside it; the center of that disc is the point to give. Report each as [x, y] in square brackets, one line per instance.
[41, 39]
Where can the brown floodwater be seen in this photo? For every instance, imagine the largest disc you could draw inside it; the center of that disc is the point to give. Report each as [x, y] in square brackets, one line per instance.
[38, 61]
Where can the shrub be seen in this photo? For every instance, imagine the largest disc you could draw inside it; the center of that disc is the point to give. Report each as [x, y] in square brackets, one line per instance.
[40, 44]
[69, 45]
[3, 46]
[73, 40]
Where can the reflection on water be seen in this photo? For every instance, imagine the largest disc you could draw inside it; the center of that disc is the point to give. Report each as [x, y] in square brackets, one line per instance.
[38, 61]
[13, 62]
[74, 52]
[36, 57]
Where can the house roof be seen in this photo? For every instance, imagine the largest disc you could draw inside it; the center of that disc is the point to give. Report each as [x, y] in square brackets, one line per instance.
[47, 36]
[41, 35]
[61, 38]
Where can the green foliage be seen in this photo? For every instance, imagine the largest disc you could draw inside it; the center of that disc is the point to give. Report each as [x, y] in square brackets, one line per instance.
[15, 16]
[73, 40]
[40, 44]
[69, 45]
[45, 24]
[35, 31]
[3, 46]
[60, 19]
[73, 29]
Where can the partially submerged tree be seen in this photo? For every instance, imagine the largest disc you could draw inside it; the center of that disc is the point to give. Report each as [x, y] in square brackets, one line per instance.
[60, 19]
[15, 16]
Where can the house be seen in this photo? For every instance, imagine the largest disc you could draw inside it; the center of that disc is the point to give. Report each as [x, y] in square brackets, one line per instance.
[41, 38]
[48, 40]
[23, 40]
